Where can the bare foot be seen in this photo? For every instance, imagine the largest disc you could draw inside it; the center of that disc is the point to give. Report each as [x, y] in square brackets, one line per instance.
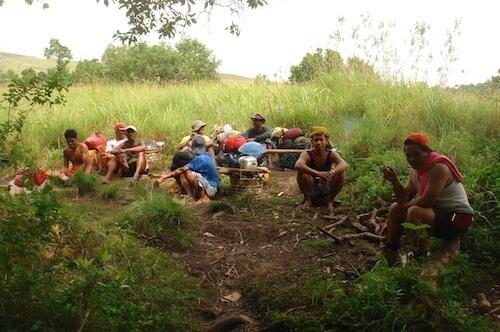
[307, 205]
[104, 180]
[450, 251]
[202, 201]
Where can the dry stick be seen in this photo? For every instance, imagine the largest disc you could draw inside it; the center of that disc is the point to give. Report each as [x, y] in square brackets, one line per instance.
[368, 235]
[228, 273]
[331, 227]
[296, 240]
[373, 222]
[382, 228]
[84, 320]
[324, 231]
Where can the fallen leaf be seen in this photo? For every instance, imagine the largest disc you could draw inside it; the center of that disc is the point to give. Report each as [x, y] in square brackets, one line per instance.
[280, 194]
[207, 234]
[281, 234]
[233, 297]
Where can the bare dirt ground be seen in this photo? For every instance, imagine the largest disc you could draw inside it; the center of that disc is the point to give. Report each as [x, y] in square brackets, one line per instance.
[263, 235]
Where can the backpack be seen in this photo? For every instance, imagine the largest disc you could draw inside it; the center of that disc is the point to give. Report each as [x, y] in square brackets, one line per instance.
[94, 140]
[232, 144]
[293, 133]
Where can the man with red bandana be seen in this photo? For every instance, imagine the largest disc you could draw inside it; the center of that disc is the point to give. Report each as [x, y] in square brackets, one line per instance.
[434, 195]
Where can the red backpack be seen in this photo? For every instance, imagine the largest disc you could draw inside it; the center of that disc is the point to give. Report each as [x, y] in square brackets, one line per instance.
[94, 140]
[232, 144]
[293, 133]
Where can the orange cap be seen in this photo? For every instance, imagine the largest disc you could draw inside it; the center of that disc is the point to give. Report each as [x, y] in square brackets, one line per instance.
[120, 126]
[419, 138]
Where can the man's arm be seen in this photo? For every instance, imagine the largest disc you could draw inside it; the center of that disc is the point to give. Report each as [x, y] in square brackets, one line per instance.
[184, 141]
[262, 137]
[66, 158]
[438, 177]
[172, 174]
[340, 164]
[403, 194]
[139, 148]
[301, 165]
[247, 133]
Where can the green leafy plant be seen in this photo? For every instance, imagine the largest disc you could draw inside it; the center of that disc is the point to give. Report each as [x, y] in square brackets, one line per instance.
[157, 217]
[86, 183]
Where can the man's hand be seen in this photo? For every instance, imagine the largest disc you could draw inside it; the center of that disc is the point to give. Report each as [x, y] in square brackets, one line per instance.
[157, 182]
[389, 174]
[326, 176]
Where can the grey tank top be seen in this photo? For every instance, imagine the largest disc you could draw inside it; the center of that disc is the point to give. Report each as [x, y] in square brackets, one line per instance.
[452, 198]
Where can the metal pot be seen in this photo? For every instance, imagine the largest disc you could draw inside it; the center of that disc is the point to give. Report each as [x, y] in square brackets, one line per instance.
[248, 162]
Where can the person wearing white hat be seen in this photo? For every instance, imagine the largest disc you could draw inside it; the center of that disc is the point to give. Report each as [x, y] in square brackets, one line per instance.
[130, 156]
[197, 128]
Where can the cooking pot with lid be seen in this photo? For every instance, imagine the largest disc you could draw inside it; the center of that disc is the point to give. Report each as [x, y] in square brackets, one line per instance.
[248, 162]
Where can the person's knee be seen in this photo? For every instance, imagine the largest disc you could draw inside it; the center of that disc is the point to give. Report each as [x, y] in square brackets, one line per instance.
[414, 213]
[304, 177]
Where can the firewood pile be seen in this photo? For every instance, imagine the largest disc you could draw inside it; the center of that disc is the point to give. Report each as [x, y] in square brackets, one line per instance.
[370, 225]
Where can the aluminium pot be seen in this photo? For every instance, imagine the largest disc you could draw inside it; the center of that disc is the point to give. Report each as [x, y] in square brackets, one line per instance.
[248, 162]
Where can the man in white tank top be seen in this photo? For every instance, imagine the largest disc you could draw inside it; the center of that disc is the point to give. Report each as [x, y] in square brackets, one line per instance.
[433, 196]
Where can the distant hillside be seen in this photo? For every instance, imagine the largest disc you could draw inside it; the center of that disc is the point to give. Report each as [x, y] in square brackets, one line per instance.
[18, 63]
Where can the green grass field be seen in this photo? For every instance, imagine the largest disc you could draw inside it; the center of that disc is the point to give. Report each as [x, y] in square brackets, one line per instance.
[368, 119]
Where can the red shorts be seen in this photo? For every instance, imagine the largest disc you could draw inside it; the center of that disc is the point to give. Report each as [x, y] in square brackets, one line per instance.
[449, 224]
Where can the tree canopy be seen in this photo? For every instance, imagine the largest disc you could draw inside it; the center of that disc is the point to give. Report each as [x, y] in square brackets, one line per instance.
[166, 17]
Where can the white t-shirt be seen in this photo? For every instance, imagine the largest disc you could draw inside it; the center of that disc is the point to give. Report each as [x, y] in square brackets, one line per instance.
[112, 144]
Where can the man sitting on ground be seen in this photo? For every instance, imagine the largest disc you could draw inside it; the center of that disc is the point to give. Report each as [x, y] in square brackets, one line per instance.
[258, 133]
[197, 128]
[434, 195]
[320, 171]
[130, 157]
[112, 144]
[76, 156]
[199, 178]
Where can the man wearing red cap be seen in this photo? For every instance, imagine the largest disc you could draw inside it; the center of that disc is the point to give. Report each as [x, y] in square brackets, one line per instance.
[434, 196]
[107, 165]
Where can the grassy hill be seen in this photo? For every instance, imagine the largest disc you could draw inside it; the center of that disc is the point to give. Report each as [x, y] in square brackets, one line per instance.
[19, 62]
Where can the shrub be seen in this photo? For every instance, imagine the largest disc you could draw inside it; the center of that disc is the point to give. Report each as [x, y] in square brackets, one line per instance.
[85, 183]
[156, 216]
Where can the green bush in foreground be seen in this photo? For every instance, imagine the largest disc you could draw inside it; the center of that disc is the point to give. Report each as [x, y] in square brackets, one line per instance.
[61, 275]
[384, 299]
[155, 216]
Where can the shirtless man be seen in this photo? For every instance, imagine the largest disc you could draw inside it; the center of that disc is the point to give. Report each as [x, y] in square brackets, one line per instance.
[320, 171]
[130, 157]
[76, 156]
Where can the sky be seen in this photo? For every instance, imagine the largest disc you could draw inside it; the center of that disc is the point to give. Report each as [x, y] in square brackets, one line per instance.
[278, 35]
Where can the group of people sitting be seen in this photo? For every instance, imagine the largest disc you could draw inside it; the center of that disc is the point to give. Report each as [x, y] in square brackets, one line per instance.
[124, 155]
[434, 194]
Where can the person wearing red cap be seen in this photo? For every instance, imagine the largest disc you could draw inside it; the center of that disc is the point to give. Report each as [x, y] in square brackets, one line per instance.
[434, 196]
[107, 165]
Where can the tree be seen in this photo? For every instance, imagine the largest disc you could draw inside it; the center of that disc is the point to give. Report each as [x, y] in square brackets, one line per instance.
[313, 64]
[88, 71]
[196, 61]
[189, 60]
[165, 17]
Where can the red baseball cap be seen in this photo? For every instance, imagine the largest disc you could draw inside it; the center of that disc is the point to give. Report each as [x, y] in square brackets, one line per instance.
[120, 126]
